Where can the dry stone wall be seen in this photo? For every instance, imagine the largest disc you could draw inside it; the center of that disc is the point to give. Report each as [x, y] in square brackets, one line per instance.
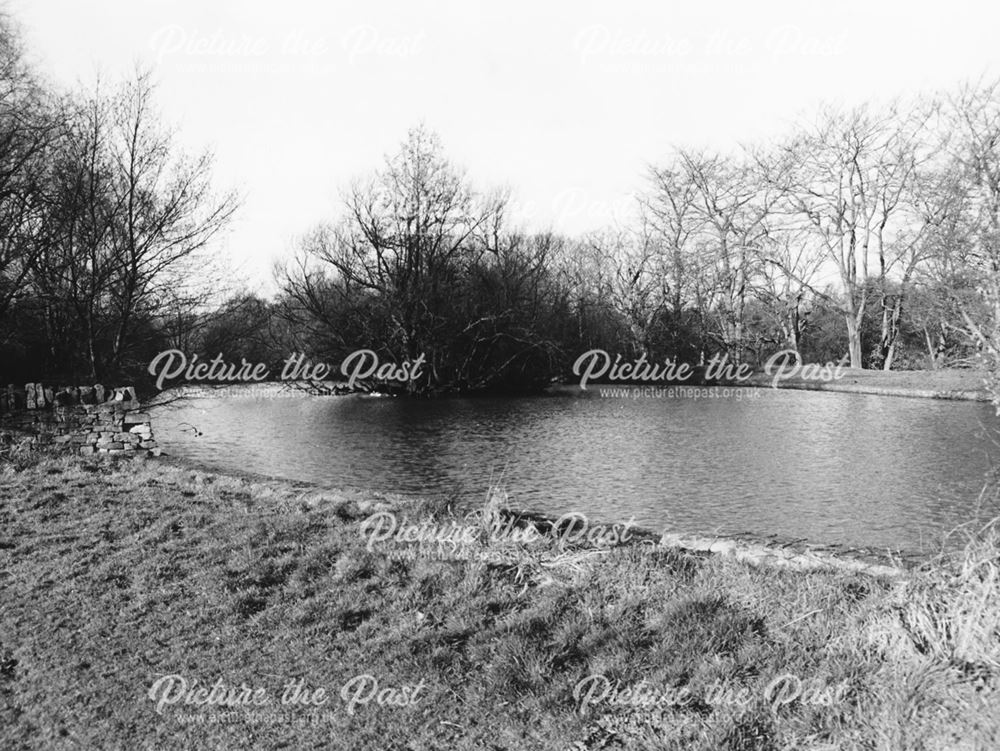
[88, 420]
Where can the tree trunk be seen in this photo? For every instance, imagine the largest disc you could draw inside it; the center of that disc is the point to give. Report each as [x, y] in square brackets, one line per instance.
[853, 340]
[890, 355]
[931, 349]
[890, 331]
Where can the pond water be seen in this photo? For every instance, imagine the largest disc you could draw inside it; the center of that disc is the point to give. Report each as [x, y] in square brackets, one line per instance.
[883, 472]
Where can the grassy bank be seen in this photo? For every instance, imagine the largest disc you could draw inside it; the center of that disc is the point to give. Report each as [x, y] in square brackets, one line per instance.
[115, 577]
[954, 383]
[948, 383]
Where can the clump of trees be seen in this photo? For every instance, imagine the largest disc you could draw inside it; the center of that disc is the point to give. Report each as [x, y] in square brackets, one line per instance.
[104, 224]
[862, 215]
[422, 263]
[867, 235]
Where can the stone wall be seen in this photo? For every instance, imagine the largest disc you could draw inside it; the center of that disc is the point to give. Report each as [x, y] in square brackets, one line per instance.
[90, 420]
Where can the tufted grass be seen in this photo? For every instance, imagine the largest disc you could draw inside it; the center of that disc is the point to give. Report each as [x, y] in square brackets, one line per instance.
[113, 575]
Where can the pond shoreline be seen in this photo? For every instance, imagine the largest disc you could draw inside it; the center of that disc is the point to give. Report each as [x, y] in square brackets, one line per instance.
[228, 579]
[951, 384]
[357, 443]
[756, 549]
[954, 384]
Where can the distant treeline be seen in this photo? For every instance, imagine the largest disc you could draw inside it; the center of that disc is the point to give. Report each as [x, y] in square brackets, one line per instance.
[870, 233]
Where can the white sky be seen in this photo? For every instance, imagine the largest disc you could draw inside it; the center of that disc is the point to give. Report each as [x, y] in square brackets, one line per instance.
[565, 102]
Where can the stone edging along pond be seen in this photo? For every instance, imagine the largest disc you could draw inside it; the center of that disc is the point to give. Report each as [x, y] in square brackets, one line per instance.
[764, 552]
[757, 551]
[797, 555]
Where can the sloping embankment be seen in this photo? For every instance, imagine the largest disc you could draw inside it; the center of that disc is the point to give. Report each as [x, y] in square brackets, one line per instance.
[955, 384]
[966, 385]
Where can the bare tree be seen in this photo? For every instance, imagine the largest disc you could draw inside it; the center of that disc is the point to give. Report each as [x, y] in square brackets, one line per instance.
[786, 283]
[165, 209]
[734, 205]
[973, 121]
[631, 281]
[844, 180]
[670, 220]
[409, 235]
[129, 217]
[71, 277]
[28, 129]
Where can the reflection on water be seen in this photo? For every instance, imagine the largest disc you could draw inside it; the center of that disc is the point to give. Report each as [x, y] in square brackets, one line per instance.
[845, 468]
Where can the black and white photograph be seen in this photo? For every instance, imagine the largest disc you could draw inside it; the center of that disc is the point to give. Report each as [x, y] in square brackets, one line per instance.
[418, 376]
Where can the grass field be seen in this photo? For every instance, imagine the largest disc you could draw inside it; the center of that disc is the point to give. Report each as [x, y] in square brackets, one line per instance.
[149, 605]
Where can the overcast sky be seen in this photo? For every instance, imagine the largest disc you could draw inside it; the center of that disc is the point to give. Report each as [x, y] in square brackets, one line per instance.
[565, 102]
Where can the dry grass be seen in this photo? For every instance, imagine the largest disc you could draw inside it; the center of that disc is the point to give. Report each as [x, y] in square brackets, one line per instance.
[113, 575]
[952, 611]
